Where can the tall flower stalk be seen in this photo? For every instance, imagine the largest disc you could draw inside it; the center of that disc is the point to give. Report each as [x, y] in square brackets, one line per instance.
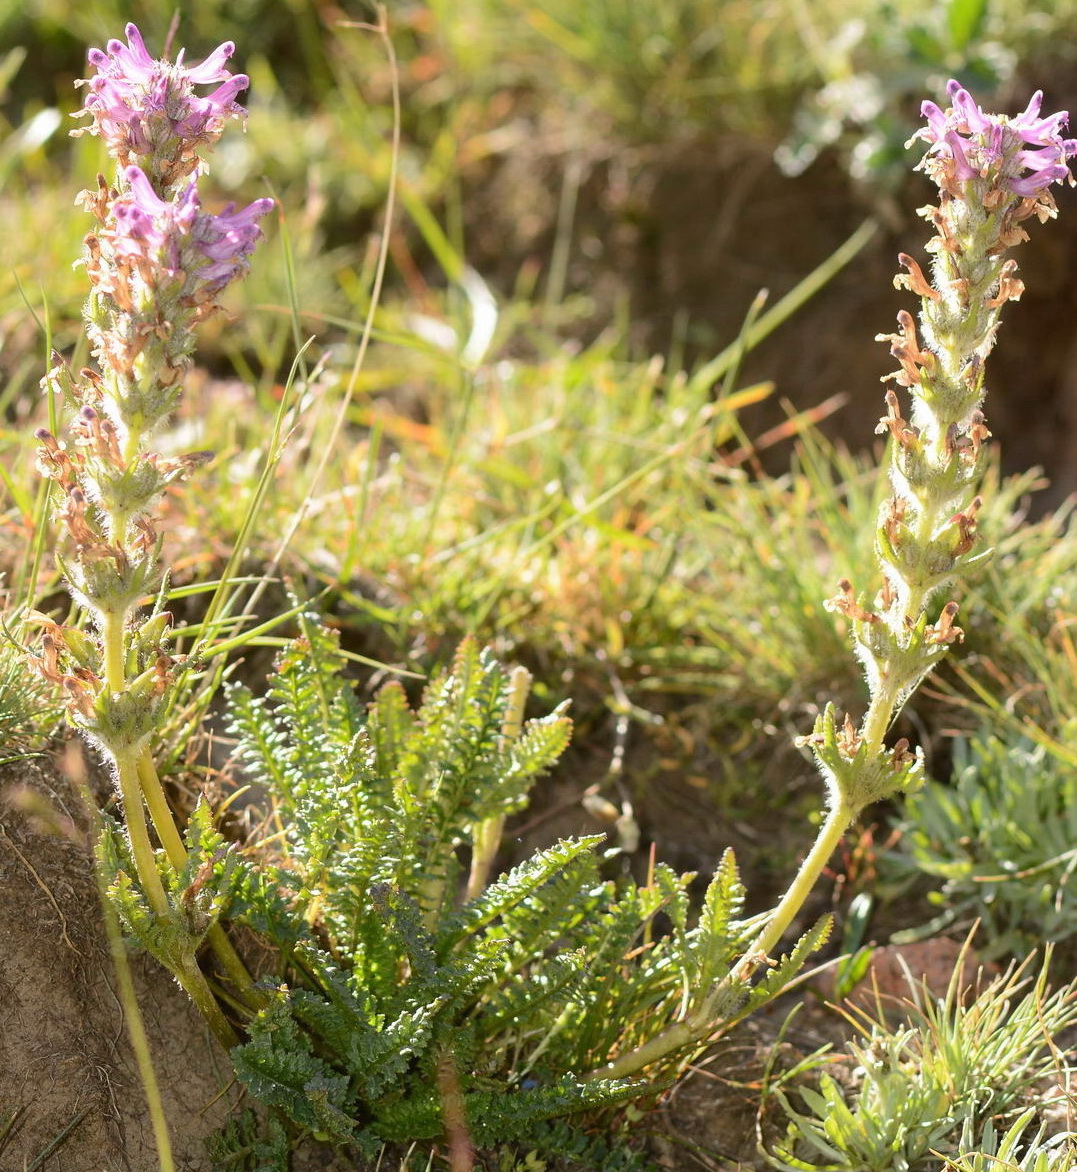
[993, 173]
[157, 261]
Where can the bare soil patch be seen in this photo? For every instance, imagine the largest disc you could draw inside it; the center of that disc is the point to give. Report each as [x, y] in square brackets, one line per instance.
[66, 1064]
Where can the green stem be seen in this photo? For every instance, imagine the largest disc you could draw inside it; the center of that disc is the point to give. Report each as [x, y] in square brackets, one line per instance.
[170, 837]
[884, 701]
[189, 975]
[196, 987]
[487, 840]
[115, 653]
[138, 781]
[253, 999]
[878, 717]
[138, 831]
[160, 811]
[830, 835]
[136, 1031]
[133, 442]
[700, 1021]
[487, 834]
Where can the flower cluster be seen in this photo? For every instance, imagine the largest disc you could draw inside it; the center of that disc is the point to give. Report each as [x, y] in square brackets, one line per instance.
[967, 144]
[147, 112]
[158, 259]
[993, 173]
[157, 262]
[176, 240]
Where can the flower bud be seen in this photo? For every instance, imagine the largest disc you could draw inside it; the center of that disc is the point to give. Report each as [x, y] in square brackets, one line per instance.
[82, 648]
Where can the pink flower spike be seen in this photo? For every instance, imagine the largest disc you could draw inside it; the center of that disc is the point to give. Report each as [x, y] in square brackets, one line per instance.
[148, 112]
[965, 144]
[177, 238]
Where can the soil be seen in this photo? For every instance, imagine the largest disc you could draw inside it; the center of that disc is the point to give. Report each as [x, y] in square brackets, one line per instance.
[66, 1065]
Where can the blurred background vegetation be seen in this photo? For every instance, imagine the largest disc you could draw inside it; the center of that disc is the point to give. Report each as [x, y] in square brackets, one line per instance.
[576, 430]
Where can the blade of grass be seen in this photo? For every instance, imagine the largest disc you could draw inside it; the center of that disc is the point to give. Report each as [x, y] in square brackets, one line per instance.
[803, 291]
[381, 29]
[30, 567]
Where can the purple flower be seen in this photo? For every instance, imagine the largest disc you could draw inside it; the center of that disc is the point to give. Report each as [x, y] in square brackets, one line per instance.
[147, 111]
[968, 144]
[225, 240]
[176, 239]
[152, 230]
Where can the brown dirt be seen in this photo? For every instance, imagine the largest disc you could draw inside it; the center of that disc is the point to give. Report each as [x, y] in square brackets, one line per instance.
[691, 230]
[65, 1060]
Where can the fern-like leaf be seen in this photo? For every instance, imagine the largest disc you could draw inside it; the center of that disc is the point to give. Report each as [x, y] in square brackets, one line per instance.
[787, 968]
[525, 758]
[278, 1065]
[717, 936]
[376, 1054]
[248, 1143]
[523, 882]
[497, 1118]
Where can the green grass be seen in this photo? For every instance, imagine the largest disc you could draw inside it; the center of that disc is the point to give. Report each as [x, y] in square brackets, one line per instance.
[926, 1087]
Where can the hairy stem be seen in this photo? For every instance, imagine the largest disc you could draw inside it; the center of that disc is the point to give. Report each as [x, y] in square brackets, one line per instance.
[196, 987]
[189, 975]
[160, 811]
[878, 717]
[832, 831]
[115, 652]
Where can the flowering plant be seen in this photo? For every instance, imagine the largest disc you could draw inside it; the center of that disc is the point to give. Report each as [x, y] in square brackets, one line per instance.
[157, 262]
[989, 183]
[147, 110]
[412, 1003]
